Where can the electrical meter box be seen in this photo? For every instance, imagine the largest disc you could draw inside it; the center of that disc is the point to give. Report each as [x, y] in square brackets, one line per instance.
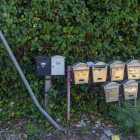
[110, 91]
[42, 66]
[132, 69]
[129, 89]
[57, 65]
[80, 72]
[99, 72]
[116, 70]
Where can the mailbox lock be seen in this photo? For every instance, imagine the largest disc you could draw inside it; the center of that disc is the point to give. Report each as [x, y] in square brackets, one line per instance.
[52, 66]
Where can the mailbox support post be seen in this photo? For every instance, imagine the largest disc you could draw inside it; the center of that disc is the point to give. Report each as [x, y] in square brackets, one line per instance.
[47, 86]
[119, 103]
[135, 101]
[68, 93]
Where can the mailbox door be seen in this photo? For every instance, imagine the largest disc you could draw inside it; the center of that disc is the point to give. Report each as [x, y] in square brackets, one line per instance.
[81, 76]
[133, 72]
[99, 75]
[58, 67]
[130, 92]
[117, 74]
[112, 95]
[43, 67]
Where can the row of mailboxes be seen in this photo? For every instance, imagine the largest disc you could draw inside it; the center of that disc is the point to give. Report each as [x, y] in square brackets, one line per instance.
[54, 65]
[129, 89]
[114, 69]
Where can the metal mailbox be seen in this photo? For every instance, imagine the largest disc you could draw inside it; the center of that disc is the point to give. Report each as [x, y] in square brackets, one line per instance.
[42, 66]
[99, 72]
[132, 68]
[138, 96]
[110, 91]
[80, 73]
[129, 89]
[57, 65]
[116, 70]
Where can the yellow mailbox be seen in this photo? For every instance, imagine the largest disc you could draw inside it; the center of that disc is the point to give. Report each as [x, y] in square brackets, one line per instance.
[99, 72]
[80, 73]
[116, 70]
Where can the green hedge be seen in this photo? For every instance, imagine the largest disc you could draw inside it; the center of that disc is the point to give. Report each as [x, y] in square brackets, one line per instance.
[81, 30]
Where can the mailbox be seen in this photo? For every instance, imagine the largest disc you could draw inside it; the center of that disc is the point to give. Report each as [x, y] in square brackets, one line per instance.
[116, 70]
[80, 73]
[110, 91]
[132, 69]
[57, 65]
[129, 89]
[42, 66]
[99, 72]
[138, 89]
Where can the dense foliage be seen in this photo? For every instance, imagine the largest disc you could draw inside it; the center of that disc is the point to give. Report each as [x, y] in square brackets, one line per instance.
[81, 30]
[128, 116]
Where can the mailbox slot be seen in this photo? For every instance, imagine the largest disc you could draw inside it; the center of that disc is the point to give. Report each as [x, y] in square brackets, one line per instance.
[80, 73]
[99, 72]
[130, 89]
[42, 66]
[110, 91]
[116, 70]
[57, 65]
[132, 69]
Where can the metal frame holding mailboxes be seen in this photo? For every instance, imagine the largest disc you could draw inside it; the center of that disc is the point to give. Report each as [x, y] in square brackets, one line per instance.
[99, 72]
[111, 91]
[80, 72]
[132, 69]
[116, 70]
[129, 89]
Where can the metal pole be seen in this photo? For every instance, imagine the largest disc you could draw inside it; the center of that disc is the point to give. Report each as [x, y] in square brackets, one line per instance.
[68, 94]
[135, 102]
[119, 97]
[47, 86]
[26, 83]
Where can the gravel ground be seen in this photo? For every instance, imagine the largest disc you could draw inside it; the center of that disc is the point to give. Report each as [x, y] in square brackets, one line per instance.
[24, 129]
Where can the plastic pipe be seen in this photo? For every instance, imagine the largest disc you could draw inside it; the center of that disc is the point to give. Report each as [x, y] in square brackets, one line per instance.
[26, 83]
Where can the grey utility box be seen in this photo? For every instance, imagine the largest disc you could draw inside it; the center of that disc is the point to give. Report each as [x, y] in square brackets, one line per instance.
[129, 89]
[99, 72]
[110, 91]
[116, 70]
[80, 72]
[42, 66]
[132, 69]
[57, 65]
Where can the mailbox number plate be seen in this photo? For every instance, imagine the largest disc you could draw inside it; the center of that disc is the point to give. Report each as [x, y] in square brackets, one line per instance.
[112, 95]
[130, 93]
[99, 75]
[134, 73]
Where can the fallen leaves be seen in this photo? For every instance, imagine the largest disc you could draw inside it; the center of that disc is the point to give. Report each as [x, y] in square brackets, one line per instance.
[11, 104]
[12, 114]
